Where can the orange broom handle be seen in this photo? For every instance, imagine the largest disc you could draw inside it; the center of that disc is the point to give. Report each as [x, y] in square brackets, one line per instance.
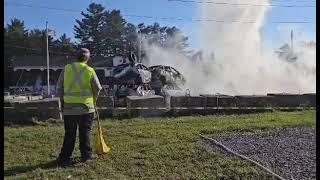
[95, 108]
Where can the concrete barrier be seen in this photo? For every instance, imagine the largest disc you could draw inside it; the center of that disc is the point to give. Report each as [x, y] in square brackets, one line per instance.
[120, 102]
[39, 109]
[220, 101]
[13, 98]
[187, 101]
[108, 103]
[32, 98]
[171, 92]
[310, 99]
[179, 105]
[287, 100]
[254, 101]
[148, 102]
[21, 109]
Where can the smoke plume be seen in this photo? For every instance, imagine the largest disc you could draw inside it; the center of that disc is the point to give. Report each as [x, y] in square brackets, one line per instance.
[239, 64]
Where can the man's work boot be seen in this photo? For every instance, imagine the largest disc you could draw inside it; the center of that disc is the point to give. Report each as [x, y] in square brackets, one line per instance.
[87, 159]
[63, 161]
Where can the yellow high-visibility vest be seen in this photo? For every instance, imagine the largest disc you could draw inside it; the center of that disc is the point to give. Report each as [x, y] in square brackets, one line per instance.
[76, 84]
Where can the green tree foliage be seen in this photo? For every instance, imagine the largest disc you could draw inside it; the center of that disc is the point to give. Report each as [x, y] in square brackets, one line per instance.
[89, 29]
[166, 37]
[15, 34]
[64, 45]
[18, 41]
[114, 33]
[37, 41]
[130, 42]
[106, 33]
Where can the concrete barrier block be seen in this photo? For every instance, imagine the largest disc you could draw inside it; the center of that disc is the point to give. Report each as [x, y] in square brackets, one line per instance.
[120, 102]
[187, 105]
[33, 98]
[254, 101]
[41, 109]
[120, 113]
[147, 102]
[105, 102]
[221, 101]
[187, 101]
[286, 100]
[310, 99]
[13, 98]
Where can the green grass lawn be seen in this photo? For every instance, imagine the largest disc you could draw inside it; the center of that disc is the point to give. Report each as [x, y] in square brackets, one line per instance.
[150, 148]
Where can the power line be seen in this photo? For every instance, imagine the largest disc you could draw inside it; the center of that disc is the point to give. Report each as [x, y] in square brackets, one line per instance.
[164, 18]
[218, 21]
[293, 1]
[242, 4]
[42, 7]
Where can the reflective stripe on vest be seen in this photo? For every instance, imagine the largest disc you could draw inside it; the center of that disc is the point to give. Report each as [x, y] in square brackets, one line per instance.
[77, 87]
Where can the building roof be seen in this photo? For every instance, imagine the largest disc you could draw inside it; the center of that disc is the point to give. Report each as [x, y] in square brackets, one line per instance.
[37, 61]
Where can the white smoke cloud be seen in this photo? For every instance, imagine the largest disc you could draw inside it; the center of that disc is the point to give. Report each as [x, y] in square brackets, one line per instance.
[239, 66]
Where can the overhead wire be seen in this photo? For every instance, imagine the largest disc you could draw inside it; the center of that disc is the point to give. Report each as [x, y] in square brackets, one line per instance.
[242, 4]
[162, 18]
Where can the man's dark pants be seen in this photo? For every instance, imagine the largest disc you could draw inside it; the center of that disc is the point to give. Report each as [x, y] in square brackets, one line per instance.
[70, 125]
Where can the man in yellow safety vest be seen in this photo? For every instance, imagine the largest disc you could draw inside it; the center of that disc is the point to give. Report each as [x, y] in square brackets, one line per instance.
[78, 87]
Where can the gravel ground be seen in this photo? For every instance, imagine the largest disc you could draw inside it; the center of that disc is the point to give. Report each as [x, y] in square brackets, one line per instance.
[289, 152]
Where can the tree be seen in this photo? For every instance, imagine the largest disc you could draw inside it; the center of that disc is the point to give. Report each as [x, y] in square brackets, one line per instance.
[89, 29]
[16, 29]
[64, 44]
[105, 33]
[166, 37]
[113, 34]
[37, 41]
[18, 41]
[130, 40]
[14, 36]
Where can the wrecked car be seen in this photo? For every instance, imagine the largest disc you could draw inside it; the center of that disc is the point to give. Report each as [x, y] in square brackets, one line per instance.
[135, 79]
[165, 78]
[130, 79]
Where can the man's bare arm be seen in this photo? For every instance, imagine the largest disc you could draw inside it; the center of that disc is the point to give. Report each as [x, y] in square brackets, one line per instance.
[60, 87]
[96, 86]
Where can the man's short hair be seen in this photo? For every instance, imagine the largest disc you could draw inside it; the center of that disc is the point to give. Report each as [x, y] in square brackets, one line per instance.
[83, 55]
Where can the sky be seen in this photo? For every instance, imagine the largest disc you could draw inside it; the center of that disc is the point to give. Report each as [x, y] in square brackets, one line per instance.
[62, 21]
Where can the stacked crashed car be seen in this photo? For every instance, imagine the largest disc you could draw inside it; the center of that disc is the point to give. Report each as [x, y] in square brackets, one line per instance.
[165, 79]
[132, 78]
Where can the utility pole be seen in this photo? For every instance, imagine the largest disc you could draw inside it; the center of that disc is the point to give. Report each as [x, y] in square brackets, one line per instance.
[291, 40]
[139, 51]
[48, 70]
